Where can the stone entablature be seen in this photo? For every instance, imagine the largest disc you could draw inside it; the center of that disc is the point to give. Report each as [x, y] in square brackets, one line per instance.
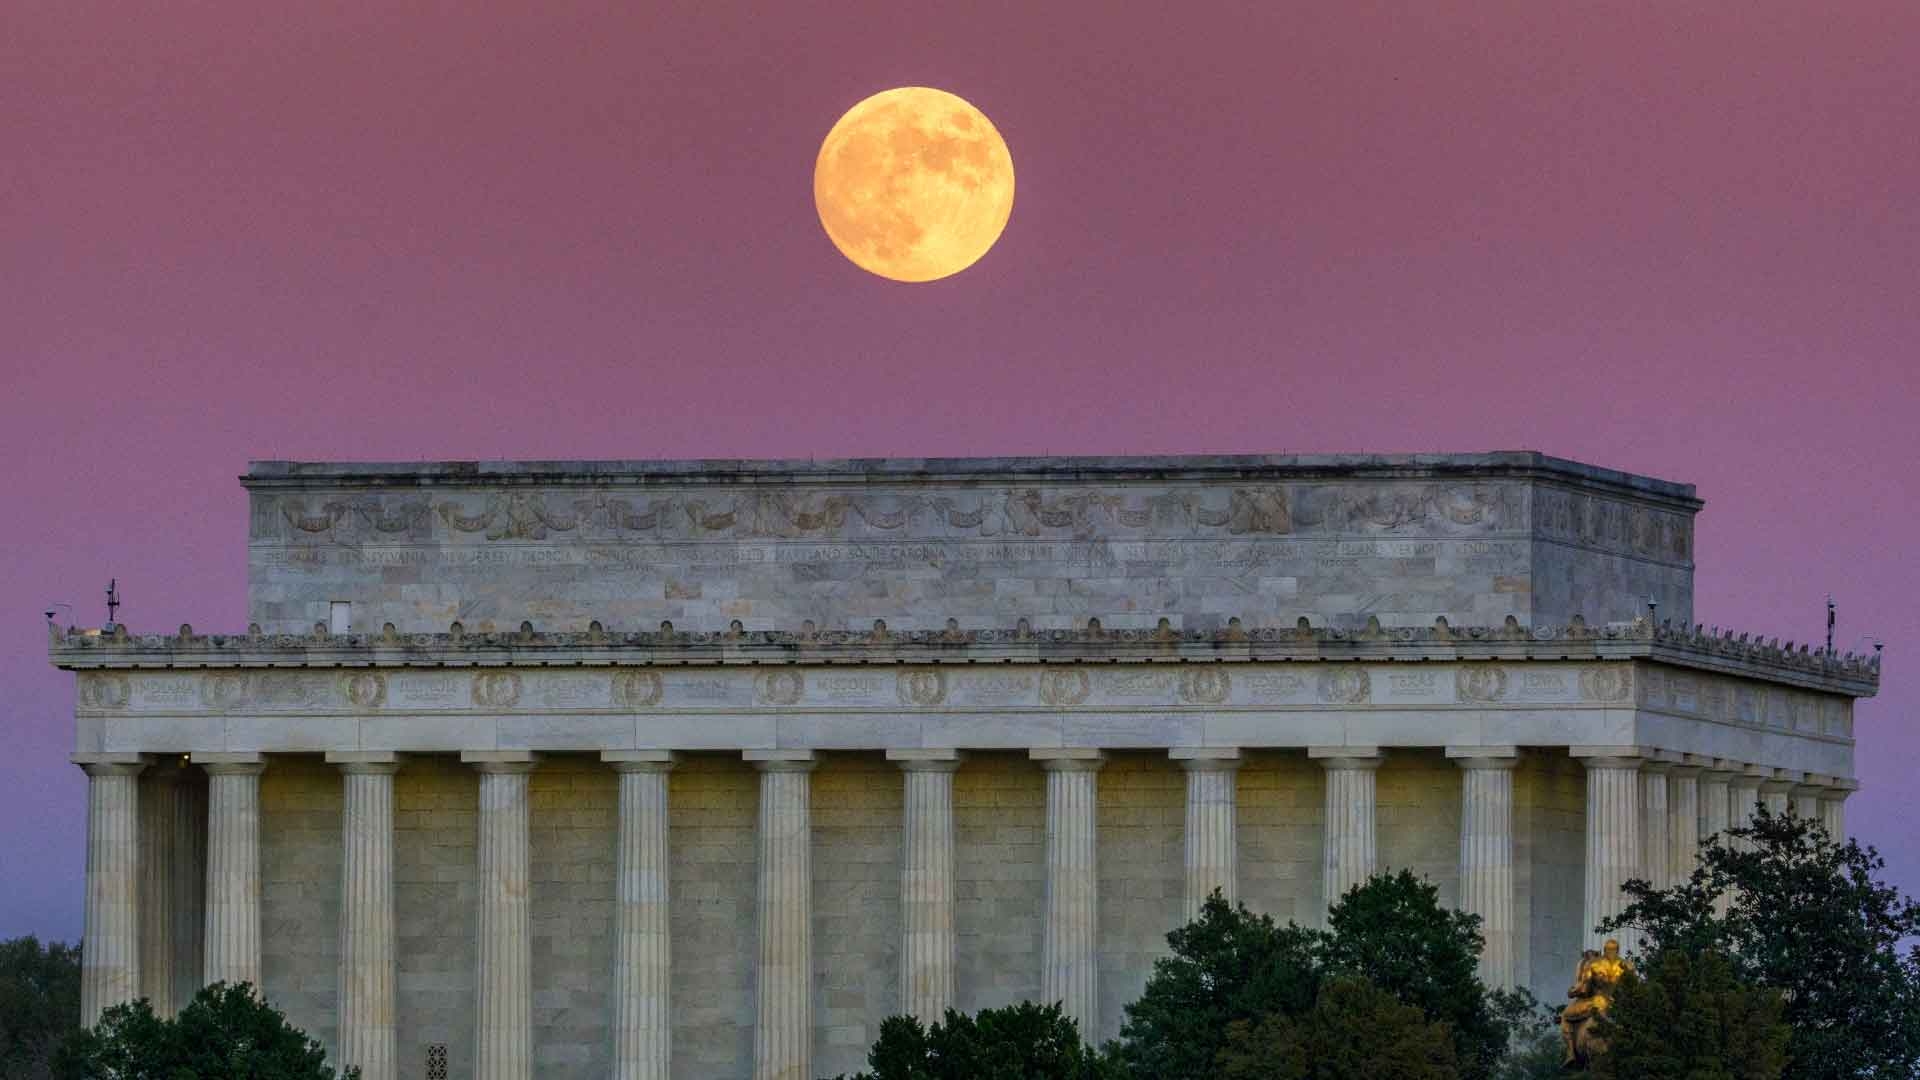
[1474, 538]
[1721, 697]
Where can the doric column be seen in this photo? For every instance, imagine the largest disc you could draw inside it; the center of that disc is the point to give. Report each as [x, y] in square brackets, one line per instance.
[1349, 843]
[368, 936]
[1833, 807]
[1717, 800]
[642, 927]
[1745, 789]
[1807, 798]
[1070, 961]
[1613, 833]
[926, 883]
[1656, 831]
[110, 951]
[1486, 852]
[1777, 791]
[1683, 804]
[1212, 847]
[783, 997]
[189, 933]
[159, 863]
[503, 1020]
[233, 867]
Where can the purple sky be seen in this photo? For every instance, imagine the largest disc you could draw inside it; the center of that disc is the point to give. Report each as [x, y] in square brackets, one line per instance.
[1681, 242]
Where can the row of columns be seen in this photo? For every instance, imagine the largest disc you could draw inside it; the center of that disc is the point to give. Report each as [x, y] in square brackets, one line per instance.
[1645, 816]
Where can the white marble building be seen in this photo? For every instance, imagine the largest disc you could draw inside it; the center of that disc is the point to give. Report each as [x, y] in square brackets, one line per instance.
[701, 769]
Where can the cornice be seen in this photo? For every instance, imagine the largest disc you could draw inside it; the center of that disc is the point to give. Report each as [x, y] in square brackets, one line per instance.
[1689, 647]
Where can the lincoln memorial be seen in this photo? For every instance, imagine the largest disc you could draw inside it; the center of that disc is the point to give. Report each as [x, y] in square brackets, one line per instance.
[702, 769]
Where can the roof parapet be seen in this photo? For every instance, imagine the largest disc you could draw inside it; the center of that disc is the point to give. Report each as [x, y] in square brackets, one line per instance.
[1688, 646]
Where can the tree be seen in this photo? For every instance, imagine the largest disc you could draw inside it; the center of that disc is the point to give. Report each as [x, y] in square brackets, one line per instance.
[1021, 1042]
[1391, 931]
[1690, 1018]
[1808, 917]
[1354, 1031]
[39, 1004]
[226, 1033]
[1227, 965]
[1534, 1047]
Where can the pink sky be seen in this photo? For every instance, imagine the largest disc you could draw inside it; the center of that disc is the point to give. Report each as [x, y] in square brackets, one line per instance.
[1680, 242]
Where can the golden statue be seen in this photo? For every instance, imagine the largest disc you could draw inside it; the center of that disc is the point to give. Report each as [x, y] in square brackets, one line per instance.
[1592, 985]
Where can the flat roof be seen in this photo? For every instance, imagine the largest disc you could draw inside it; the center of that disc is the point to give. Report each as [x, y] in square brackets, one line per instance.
[1505, 464]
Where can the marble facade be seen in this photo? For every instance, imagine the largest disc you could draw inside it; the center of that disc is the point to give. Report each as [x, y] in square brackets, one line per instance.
[702, 769]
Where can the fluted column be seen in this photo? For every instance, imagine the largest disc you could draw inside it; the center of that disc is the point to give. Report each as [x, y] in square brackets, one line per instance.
[1613, 834]
[1211, 835]
[1656, 830]
[503, 1014]
[159, 809]
[1777, 792]
[1806, 800]
[1349, 842]
[110, 951]
[233, 867]
[189, 933]
[1486, 852]
[642, 928]
[783, 997]
[1745, 789]
[1716, 811]
[1833, 807]
[926, 883]
[1070, 961]
[1683, 837]
[368, 934]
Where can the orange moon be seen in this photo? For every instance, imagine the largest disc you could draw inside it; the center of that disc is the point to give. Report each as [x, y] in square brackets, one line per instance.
[913, 184]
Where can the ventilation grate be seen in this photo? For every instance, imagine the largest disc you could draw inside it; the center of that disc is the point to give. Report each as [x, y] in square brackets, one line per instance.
[436, 1061]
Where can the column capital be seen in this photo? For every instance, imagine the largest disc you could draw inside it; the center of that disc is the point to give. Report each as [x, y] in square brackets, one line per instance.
[1782, 781]
[111, 764]
[921, 760]
[1837, 789]
[640, 761]
[1364, 758]
[1686, 769]
[223, 763]
[1610, 757]
[365, 762]
[1484, 757]
[1207, 758]
[781, 760]
[1068, 758]
[501, 761]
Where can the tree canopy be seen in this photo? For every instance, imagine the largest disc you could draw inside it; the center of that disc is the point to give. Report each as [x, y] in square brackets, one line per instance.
[1806, 916]
[1020, 1042]
[1354, 1031]
[1691, 1018]
[226, 1033]
[39, 1004]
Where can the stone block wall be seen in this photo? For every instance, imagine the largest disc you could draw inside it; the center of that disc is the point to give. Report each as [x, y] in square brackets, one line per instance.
[1000, 879]
[1280, 801]
[573, 822]
[435, 867]
[301, 808]
[858, 801]
[714, 800]
[1141, 810]
[1417, 818]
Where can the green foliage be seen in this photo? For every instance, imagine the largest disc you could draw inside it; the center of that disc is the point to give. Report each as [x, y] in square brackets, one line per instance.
[1808, 917]
[1391, 931]
[1021, 1042]
[1354, 1031]
[1227, 965]
[1534, 1047]
[39, 1004]
[227, 1033]
[1691, 1019]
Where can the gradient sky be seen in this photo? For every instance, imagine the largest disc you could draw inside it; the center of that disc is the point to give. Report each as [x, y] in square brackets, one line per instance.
[1676, 239]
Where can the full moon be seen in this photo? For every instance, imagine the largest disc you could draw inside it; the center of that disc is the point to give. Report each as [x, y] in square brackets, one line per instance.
[913, 184]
